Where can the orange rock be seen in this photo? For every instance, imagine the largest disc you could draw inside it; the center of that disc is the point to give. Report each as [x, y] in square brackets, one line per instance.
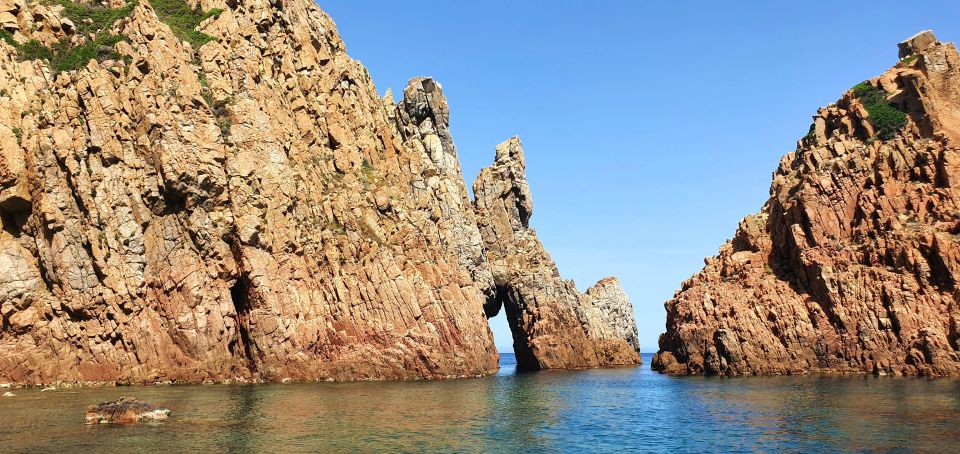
[852, 264]
[248, 209]
[554, 326]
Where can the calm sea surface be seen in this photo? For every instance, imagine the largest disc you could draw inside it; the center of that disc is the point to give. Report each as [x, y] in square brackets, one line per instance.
[594, 411]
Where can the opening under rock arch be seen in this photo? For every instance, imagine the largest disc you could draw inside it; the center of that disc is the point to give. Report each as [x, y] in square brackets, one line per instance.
[508, 336]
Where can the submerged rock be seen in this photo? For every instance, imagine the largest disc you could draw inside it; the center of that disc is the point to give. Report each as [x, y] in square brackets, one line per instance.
[9, 394]
[125, 410]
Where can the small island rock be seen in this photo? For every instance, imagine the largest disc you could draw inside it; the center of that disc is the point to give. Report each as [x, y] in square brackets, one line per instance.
[125, 410]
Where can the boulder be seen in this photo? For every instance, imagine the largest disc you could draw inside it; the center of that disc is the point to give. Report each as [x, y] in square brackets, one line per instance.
[125, 410]
[916, 43]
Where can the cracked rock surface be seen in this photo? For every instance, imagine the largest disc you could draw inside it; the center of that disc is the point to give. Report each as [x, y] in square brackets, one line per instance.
[247, 209]
[852, 265]
[553, 325]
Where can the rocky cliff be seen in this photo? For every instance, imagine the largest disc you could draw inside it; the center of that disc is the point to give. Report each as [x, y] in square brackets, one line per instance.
[553, 324]
[216, 192]
[853, 263]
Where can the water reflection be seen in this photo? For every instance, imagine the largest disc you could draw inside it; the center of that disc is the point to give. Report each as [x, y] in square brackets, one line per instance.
[601, 410]
[242, 434]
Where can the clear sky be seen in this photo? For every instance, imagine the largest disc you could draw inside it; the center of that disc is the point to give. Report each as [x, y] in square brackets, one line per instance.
[650, 128]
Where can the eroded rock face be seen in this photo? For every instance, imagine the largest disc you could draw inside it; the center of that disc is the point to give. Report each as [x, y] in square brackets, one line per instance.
[852, 264]
[248, 209]
[554, 326]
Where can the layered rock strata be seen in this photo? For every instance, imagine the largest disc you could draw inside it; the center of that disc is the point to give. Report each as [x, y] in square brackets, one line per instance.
[240, 208]
[852, 264]
[553, 324]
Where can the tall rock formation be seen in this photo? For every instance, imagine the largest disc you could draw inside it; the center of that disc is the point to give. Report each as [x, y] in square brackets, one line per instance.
[231, 202]
[852, 265]
[553, 325]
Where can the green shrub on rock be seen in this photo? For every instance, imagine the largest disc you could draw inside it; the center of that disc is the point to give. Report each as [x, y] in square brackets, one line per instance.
[94, 22]
[67, 58]
[183, 20]
[887, 119]
[92, 18]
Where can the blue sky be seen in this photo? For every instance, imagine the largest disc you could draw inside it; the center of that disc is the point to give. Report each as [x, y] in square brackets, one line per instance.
[650, 128]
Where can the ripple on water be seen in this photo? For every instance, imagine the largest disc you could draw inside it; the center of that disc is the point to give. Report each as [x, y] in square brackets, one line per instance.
[596, 410]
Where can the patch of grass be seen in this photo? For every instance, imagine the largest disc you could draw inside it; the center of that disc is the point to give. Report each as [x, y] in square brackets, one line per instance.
[224, 123]
[67, 58]
[184, 20]
[886, 118]
[219, 109]
[93, 18]
[31, 50]
[909, 59]
[207, 96]
[369, 172]
[88, 19]
[8, 37]
[34, 50]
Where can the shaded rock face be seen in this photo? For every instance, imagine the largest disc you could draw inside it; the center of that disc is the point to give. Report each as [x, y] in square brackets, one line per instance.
[852, 264]
[248, 209]
[553, 324]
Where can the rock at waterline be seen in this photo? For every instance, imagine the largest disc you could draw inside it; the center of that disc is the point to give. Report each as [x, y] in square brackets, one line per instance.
[125, 410]
[9, 394]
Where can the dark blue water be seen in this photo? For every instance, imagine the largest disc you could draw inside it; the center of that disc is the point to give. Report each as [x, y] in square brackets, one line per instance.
[619, 410]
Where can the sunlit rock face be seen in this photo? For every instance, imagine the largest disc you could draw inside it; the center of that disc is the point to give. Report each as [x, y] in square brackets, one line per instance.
[553, 325]
[238, 208]
[852, 264]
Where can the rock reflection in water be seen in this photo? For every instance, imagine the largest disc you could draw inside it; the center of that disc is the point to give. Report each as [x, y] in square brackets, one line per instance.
[595, 410]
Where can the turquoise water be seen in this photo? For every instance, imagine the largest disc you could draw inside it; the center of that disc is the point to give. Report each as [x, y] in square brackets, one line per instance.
[616, 410]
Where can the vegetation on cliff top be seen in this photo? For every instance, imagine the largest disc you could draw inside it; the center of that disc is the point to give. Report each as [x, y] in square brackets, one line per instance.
[886, 118]
[88, 20]
[93, 18]
[92, 21]
[183, 20]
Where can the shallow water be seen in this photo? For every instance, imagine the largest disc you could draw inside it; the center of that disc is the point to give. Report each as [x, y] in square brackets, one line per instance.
[630, 409]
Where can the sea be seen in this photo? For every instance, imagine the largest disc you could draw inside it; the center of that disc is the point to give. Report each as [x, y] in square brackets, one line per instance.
[603, 411]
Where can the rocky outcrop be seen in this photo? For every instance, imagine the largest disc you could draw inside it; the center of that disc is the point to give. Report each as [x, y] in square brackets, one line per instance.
[423, 119]
[230, 203]
[125, 410]
[553, 324]
[852, 264]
